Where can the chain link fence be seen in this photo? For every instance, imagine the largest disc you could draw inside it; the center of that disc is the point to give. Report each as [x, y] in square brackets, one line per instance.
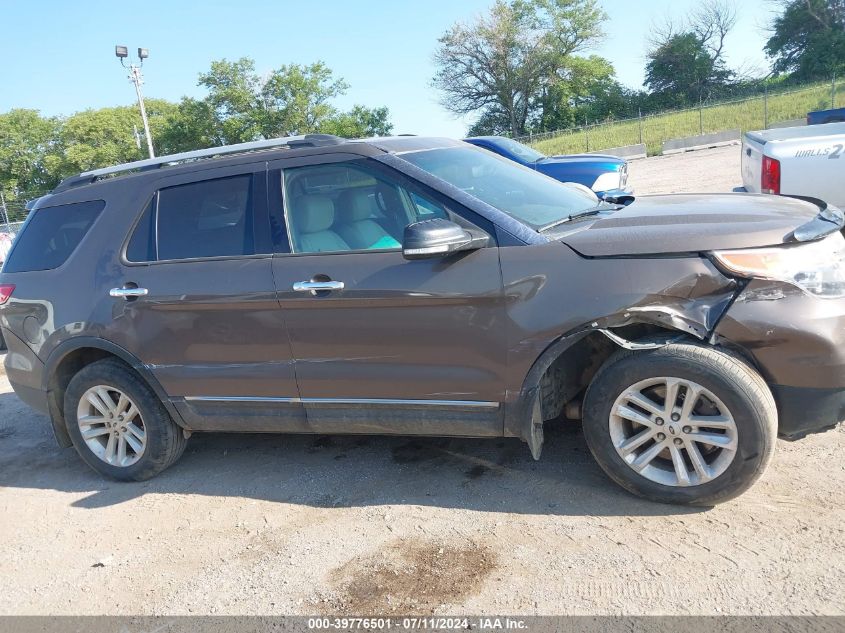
[13, 210]
[7, 236]
[11, 228]
[747, 113]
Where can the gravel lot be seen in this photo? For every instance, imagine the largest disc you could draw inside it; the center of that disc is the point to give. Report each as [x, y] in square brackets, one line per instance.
[366, 525]
[707, 170]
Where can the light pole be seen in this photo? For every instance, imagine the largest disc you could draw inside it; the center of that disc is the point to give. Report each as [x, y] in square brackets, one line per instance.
[135, 76]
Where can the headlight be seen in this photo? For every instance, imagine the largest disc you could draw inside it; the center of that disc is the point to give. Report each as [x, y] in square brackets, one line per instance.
[608, 181]
[816, 267]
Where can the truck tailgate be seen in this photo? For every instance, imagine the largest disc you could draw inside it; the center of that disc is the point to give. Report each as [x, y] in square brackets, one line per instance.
[752, 160]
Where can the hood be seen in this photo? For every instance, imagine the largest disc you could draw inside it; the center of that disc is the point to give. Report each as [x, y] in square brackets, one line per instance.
[584, 169]
[585, 157]
[688, 223]
[604, 159]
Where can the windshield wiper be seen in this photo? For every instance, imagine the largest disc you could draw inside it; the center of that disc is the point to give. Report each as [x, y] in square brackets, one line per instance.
[602, 206]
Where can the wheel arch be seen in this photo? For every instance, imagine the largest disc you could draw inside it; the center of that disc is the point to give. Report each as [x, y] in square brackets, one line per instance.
[66, 359]
[564, 370]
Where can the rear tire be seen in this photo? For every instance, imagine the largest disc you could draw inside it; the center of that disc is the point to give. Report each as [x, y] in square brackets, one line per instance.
[128, 434]
[664, 452]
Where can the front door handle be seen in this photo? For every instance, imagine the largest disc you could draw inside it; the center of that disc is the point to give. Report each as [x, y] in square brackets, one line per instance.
[128, 293]
[308, 286]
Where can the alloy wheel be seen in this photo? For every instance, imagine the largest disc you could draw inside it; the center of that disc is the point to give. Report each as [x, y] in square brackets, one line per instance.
[673, 431]
[111, 426]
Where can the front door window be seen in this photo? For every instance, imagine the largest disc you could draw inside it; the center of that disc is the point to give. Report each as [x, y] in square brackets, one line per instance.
[345, 207]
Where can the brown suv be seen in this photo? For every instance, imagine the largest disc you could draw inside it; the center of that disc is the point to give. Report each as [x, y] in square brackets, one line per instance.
[422, 286]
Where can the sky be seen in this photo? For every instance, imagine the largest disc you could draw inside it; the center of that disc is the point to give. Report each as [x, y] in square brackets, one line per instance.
[58, 56]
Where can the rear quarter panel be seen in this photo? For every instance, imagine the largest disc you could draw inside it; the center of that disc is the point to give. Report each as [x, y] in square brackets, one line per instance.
[51, 306]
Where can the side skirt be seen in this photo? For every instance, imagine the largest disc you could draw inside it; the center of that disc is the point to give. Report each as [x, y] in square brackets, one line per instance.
[342, 416]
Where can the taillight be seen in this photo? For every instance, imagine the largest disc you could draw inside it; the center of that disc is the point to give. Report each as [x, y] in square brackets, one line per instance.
[770, 178]
[6, 291]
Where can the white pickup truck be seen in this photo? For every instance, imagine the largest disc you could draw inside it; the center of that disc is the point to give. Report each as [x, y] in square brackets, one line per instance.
[797, 161]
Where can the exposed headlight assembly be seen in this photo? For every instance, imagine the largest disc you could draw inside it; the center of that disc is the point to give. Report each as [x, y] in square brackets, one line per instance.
[816, 267]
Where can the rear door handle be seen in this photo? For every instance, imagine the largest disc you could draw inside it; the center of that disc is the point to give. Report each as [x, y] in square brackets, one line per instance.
[308, 286]
[128, 293]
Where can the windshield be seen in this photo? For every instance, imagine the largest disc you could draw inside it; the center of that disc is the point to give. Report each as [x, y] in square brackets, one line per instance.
[523, 193]
[523, 152]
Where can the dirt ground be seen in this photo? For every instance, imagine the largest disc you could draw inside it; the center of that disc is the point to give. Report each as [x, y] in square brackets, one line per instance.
[267, 524]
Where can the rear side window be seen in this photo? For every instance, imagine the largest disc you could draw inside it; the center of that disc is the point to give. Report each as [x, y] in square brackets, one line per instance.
[212, 218]
[51, 235]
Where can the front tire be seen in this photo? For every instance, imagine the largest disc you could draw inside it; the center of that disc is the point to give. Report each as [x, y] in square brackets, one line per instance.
[683, 424]
[118, 425]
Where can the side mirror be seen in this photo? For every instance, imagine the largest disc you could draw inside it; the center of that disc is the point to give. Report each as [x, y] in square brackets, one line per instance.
[437, 238]
[617, 196]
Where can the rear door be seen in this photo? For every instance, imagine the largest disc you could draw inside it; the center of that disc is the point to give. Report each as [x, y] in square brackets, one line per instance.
[198, 304]
[391, 345]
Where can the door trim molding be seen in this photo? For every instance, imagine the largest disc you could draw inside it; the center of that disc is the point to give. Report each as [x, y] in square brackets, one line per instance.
[349, 401]
[239, 399]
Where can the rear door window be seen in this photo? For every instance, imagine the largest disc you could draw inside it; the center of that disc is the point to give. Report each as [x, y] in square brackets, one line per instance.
[51, 235]
[212, 218]
[142, 246]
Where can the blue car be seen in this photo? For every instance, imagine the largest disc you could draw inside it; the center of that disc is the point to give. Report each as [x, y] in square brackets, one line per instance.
[820, 117]
[602, 173]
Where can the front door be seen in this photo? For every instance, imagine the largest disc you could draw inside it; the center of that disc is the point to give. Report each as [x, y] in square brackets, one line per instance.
[388, 345]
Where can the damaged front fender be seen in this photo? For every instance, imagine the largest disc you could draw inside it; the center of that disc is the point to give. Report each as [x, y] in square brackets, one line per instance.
[693, 305]
[555, 298]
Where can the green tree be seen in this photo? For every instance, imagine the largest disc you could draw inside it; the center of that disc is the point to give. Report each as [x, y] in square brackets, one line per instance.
[504, 63]
[686, 62]
[26, 140]
[682, 71]
[243, 106]
[491, 122]
[191, 125]
[95, 138]
[37, 152]
[297, 99]
[233, 99]
[359, 122]
[808, 39]
[589, 91]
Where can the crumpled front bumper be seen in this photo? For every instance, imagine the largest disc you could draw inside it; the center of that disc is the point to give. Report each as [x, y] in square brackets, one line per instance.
[798, 343]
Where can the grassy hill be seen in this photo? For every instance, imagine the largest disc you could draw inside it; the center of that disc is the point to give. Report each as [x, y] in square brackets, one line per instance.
[746, 115]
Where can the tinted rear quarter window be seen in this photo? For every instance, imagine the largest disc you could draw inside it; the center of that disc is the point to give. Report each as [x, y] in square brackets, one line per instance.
[51, 235]
[141, 247]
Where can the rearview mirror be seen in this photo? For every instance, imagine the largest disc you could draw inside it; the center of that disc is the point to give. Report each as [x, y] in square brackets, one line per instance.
[437, 238]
